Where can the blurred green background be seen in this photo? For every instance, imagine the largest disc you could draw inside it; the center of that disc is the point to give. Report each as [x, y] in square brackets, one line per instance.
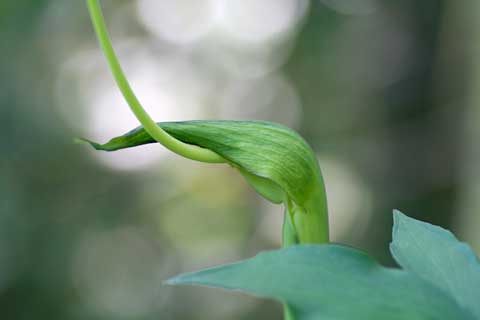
[386, 92]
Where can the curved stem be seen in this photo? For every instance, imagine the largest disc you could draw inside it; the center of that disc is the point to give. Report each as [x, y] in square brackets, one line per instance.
[181, 148]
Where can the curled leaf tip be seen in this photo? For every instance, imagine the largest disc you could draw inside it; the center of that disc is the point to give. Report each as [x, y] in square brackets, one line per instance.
[170, 282]
[87, 142]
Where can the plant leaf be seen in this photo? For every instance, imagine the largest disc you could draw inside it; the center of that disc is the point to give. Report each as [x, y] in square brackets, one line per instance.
[274, 159]
[264, 149]
[331, 282]
[436, 255]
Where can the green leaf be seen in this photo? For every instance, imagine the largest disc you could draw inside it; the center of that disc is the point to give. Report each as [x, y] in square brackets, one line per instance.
[274, 159]
[331, 282]
[264, 149]
[436, 255]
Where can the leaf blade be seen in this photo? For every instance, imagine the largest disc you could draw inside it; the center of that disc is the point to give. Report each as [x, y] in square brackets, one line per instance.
[436, 255]
[320, 281]
[262, 148]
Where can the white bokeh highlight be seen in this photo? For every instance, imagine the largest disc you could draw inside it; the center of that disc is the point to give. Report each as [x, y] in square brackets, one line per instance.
[257, 22]
[181, 22]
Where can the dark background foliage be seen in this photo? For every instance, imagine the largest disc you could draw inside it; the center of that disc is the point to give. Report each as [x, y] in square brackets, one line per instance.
[384, 91]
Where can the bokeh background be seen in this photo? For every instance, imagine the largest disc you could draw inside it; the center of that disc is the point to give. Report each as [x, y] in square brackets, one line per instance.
[386, 92]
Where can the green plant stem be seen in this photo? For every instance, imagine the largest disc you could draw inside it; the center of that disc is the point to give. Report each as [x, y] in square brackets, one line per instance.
[289, 238]
[287, 313]
[181, 148]
[302, 227]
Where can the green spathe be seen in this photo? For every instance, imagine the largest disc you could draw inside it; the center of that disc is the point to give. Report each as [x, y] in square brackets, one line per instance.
[332, 282]
[273, 158]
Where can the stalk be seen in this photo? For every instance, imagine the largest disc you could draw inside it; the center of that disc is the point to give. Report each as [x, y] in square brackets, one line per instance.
[306, 225]
[310, 219]
[174, 145]
[289, 238]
